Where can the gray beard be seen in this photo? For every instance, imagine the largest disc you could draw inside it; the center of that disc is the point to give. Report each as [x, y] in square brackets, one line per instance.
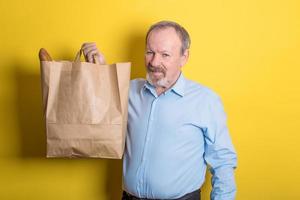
[163, 82]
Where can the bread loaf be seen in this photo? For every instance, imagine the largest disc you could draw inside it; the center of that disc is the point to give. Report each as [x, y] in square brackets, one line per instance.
[44, 56]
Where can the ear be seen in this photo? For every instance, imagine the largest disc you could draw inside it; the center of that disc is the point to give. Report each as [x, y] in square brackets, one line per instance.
[184, 58]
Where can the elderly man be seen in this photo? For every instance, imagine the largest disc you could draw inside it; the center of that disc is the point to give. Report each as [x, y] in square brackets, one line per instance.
[176, 127]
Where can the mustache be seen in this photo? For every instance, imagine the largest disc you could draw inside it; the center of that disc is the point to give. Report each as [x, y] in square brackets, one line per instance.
[151, 68]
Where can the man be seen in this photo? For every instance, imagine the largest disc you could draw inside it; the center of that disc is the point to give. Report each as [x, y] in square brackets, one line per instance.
[175, 126]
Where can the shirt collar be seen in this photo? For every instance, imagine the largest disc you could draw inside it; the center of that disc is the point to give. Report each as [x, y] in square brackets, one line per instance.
[178, 87]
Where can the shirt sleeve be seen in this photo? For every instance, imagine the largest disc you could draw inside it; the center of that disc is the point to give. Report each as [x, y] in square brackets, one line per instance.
[219, 153]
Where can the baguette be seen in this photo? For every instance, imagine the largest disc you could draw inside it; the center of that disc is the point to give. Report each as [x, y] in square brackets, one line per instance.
[44, 55]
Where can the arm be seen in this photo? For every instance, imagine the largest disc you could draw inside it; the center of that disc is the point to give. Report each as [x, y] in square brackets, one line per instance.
[219, 152]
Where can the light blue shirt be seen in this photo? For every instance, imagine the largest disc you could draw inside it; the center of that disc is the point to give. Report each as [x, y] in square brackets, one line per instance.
[172, 138]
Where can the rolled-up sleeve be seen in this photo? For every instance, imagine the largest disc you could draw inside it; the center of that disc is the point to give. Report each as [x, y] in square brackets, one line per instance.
[219, 154]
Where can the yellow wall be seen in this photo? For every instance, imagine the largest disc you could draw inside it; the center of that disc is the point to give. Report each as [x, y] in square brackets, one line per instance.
[247, 51]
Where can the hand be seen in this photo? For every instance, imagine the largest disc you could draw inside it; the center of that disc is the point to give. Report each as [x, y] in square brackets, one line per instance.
[91, 52]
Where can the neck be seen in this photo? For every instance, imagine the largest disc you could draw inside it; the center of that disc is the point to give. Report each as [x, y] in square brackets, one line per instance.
[160, 90]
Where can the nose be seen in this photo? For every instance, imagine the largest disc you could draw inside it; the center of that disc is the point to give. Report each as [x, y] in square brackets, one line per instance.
[155, 60]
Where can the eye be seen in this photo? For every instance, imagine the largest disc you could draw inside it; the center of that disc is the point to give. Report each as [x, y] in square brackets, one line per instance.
[149, 52]
[165, 55]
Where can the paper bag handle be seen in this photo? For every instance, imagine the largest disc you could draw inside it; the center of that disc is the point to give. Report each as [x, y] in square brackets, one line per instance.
[78, 56]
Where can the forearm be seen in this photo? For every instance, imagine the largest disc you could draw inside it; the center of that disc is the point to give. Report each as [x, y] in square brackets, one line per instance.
[223, 183]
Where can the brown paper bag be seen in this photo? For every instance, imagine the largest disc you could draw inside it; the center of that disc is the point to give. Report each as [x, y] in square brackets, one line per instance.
[85, 107]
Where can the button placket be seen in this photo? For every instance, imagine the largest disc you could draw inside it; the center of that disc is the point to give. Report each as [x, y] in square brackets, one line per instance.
[147, 140]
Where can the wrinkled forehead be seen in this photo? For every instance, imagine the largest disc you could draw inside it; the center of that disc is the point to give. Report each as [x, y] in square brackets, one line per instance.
[164, 38]
[164, 31]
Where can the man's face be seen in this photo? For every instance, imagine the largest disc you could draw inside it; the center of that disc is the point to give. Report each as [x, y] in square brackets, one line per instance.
[163, 57]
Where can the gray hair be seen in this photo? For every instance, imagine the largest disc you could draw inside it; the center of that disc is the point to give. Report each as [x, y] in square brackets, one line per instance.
[181, 32]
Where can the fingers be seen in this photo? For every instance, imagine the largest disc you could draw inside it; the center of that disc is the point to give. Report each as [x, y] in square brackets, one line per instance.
[86, 48]
[91, 51]
[91, 54]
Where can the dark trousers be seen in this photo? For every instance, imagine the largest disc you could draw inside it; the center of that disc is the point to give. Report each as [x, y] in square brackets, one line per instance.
[190, 196]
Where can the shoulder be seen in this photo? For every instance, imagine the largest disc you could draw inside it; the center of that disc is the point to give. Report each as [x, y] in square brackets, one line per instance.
[193, 87]
[208, 100]
[137, 84]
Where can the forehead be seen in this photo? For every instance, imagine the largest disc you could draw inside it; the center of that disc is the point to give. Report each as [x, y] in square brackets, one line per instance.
[164, 39]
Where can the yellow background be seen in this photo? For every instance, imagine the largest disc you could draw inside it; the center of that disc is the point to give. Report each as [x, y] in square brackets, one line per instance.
[248, 51]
